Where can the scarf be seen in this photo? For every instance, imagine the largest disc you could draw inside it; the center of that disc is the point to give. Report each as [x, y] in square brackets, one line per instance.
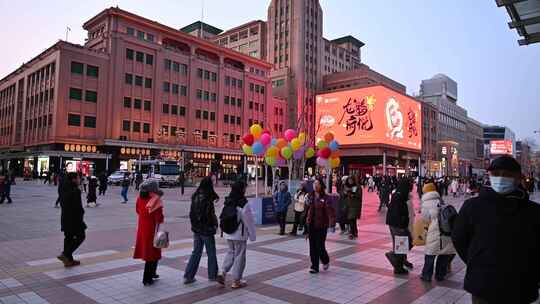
[154, 203]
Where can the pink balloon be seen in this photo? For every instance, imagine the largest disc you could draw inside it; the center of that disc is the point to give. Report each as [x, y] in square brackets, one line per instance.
[265, 139]
[290, 134]
[322, 162]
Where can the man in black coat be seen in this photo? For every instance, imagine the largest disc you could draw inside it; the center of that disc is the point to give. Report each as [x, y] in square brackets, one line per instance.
[497, 234]
[72, 219]
[397, 218]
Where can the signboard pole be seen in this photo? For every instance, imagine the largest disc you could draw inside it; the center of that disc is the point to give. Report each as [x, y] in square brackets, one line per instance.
[265, 179]
[290, 173]
[256, 177]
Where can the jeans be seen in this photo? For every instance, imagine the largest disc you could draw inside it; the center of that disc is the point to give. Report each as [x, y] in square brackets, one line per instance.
[235, 259]
[200, 241]
[353, 228]
[150, 268]
[317, 248]
[124, 193]
[72, 241]
[440, 268]
[281, 217]
[298, 221]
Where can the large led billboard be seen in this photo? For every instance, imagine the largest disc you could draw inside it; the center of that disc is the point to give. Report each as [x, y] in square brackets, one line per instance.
[500, 147]
[372, 115]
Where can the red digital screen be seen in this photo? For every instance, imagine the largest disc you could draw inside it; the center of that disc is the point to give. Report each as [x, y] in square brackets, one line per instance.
[500, 147]
[373, 115]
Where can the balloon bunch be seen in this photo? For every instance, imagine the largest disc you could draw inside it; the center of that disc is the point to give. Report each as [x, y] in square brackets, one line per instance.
[256, 141]
[328, 152]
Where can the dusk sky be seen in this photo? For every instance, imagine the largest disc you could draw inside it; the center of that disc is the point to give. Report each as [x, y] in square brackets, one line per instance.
[406, 40]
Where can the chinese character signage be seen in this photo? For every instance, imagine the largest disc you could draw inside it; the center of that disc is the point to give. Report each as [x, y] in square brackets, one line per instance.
[500, 147]
[374, 115]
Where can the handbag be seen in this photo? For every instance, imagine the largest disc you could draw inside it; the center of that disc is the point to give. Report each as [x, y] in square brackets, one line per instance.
[420, 230]
[161, 238]
[401, 244]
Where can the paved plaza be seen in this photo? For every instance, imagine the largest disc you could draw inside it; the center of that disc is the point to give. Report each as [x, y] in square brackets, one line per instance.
[277, 266]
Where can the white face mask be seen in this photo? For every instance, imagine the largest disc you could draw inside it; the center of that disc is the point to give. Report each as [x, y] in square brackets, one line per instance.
[502, 185]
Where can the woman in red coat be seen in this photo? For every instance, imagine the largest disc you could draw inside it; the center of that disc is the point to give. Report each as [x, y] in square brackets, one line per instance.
[150, 213]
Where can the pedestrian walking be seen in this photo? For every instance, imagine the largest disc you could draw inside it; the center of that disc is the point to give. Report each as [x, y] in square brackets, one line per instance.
[149, 208]
[61, 178]
[182, 181]
[299, 208]
[91, 196]
[84, 182]
[138, 180]
[321, 216]
[398, 219]
[125, 187]
[237, 222]
[71, 219]
[5, 189]
[384, 194]
[438, 247]
[103, 183]
[342, 210]
[352, 199]
[502, 267]
[204, 224]
[282, 200]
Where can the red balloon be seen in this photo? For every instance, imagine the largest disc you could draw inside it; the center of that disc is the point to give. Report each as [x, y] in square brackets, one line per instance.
[248, 139]
[325, 152]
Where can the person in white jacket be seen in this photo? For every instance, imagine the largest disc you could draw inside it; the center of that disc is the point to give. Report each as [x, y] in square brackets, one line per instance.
[438, 246]
[235, 260]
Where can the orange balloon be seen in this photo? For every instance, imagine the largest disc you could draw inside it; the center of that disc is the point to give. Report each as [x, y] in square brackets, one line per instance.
[281, 143]
[335, 154]
[328, 137]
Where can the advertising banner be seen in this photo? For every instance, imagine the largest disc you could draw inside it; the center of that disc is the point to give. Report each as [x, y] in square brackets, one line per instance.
[500, 147]
[372, 115]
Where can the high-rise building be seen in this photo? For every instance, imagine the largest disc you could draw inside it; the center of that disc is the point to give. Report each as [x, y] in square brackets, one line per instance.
[248, 38]
[135, 89]
[441, 92]
[473, 149]
[492, 133]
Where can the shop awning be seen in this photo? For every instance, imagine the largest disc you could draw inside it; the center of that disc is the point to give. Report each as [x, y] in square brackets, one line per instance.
[121, 143]
[26, 154]
[525, 16]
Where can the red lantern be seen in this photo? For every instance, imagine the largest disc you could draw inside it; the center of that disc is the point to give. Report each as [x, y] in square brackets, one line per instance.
[248, 139]
[325, 153]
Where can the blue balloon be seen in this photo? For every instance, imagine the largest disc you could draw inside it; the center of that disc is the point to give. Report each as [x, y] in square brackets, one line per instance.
[333, 145]
[258, 148]
[274, 142]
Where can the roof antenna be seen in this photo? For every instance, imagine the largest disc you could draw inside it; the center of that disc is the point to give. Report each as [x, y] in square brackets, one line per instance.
[68, 29]
[201, 35]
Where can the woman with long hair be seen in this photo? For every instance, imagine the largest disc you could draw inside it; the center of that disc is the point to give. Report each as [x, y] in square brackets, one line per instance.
[149, 209]
[321, 215]
[299, 208]
[204, 225]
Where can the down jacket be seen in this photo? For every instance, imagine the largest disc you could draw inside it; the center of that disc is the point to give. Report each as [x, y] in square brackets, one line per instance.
[436, 244]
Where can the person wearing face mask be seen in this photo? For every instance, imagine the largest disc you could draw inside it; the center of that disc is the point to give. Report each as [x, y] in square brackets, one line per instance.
[497, 234]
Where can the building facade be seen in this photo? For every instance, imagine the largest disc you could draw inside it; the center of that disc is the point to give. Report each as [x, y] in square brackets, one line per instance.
[473, 149]
[498, 133]
[523, 156]
[136, 89]
[249, 38]
[441, 92]
[431, 164]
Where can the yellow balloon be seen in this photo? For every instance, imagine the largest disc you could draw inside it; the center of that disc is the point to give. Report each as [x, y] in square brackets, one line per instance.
[296, 144]
[310, 153]
[302, 137]
[272, 152]
[256, 130]
[334, 162]
[247, 150]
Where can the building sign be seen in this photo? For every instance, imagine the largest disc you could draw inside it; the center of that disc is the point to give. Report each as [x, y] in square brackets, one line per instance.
[500, 147]
[374, 115]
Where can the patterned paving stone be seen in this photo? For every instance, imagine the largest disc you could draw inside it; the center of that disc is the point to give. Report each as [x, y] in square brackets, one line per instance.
[241, 297]
[23, 298]
[127, 288]
[257, 262]
[335, 284]
[85, 269]
[374, 257]
[443, 295]
[301, 246]
[77, 257]
[363, 237]
[9, 283]
[175, 253]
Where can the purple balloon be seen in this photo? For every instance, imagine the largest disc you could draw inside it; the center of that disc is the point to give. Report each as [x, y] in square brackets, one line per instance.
[322, 162]
[298, 154]
[281, 163]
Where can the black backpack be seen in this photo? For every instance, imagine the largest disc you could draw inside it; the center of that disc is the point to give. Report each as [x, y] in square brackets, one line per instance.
[197, 214]
[446, 217]
[228, 220]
